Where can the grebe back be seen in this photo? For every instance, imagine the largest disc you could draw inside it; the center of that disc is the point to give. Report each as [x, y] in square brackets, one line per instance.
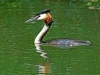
[47, 18]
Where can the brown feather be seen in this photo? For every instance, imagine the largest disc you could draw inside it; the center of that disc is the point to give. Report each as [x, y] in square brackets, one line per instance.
[48, 18]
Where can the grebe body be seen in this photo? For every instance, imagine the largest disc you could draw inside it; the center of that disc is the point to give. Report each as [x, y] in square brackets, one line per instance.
[47, 18]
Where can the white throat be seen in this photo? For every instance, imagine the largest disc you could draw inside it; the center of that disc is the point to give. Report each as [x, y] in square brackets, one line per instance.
[42, 33]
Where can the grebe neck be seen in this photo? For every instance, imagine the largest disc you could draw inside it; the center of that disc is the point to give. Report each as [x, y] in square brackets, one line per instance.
[42, 33]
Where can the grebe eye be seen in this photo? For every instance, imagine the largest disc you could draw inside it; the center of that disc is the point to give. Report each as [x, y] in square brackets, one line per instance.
[39, 16]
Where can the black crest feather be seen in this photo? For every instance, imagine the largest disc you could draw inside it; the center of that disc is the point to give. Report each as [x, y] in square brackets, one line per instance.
[44, 11]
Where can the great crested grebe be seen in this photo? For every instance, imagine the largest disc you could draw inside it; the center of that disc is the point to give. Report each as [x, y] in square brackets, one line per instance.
[47, 18]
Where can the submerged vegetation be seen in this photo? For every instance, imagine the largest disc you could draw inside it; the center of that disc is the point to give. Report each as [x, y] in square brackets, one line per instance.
[94, 4]
[91, 4]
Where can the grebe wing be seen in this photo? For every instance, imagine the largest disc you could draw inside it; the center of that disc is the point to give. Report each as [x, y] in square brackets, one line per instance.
[68, 42]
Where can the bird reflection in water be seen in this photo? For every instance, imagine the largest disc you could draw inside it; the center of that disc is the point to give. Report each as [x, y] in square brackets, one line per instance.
[39, 50]
[43, 69]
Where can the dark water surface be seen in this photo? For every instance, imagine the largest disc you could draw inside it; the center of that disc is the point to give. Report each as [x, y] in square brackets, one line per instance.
[19, 55]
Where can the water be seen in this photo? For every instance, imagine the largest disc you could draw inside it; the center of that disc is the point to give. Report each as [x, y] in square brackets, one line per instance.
[19, 55]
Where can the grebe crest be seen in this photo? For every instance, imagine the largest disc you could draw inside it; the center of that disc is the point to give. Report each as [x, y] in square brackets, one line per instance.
[47, 18]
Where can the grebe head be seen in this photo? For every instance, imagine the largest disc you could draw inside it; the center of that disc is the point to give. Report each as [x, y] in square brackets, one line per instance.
[43, 15]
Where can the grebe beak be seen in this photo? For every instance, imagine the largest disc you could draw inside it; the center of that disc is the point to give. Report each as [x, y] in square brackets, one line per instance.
[32, 19]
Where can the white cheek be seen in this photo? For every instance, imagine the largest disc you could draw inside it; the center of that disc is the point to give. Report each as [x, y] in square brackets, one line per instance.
[42, 16]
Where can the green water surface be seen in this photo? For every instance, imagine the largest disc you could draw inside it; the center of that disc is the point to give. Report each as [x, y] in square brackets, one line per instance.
[18, 54]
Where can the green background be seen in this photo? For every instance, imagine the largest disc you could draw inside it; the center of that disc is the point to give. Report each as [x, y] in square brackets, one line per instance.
[18, 54]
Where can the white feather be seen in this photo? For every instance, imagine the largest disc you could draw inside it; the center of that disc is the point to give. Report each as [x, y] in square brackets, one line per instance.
[42, 16]
[42, 32]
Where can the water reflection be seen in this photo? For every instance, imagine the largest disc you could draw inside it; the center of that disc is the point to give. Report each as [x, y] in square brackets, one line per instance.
[43, 69]
[38, 49]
